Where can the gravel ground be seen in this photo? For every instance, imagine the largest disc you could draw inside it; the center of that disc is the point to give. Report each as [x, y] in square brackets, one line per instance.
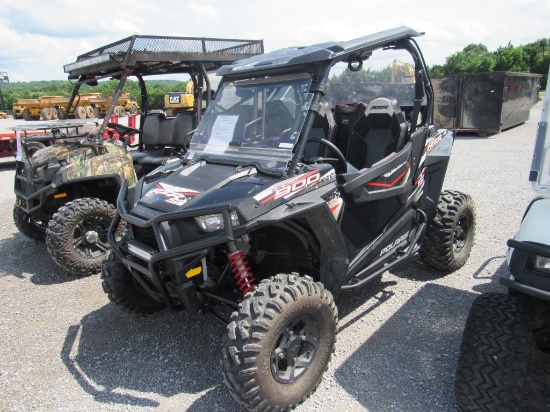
[64, 347]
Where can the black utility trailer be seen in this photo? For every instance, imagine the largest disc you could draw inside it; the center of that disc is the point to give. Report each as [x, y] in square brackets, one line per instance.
[485, 103]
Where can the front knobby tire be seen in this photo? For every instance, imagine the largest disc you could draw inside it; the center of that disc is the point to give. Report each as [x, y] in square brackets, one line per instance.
[125, 291]
[279, 343]
[449, 238]
[494, 354]
[76, 237]
[29, 226]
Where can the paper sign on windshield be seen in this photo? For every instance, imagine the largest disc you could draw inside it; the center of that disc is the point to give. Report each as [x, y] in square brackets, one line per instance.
[222, 133]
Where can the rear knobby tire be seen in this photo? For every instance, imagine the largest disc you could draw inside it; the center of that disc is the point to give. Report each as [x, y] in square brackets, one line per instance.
[494, 354]
[449, 238]
[29, 226]
[279, 343]
[124, 290]
[76, 237]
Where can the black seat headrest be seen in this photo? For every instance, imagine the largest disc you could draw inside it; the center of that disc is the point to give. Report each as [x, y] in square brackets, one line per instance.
[350, 108]
[383, 105]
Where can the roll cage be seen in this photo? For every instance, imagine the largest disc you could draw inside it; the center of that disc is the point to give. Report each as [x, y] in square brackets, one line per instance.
[141, 55]
[317, 61]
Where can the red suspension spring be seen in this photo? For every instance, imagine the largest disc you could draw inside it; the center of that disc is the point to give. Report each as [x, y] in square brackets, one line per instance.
[242, 272]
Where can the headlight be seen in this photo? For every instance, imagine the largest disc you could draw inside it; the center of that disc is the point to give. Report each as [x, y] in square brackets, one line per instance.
[140, 251]
[542, 263]
[212, 223]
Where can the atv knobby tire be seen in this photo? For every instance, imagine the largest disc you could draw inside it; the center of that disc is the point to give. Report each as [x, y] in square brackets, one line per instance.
[28, 225]
[494, 354]
[450, 236]
[76, 237]
[279, 343]
[124, 290]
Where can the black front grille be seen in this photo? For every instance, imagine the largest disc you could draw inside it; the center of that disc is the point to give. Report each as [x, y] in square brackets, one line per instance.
[145, 236]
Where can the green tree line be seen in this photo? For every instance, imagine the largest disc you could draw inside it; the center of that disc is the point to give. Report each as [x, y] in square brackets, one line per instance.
[476, 58]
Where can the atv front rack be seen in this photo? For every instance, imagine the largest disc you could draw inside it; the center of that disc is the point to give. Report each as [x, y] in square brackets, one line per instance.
[65, 129]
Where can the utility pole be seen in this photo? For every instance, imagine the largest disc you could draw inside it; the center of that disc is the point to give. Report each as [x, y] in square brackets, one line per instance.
[4, 79]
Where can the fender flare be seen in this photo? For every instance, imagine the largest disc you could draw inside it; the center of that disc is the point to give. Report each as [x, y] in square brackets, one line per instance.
[334, 263]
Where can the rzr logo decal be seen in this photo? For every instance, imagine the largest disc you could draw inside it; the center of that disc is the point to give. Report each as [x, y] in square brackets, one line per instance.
[430, 144]
[289, 187]
[173, 194]
[434, 141]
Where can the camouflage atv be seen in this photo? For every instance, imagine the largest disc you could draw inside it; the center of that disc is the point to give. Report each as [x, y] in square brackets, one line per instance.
[65, 192]
[68, 179]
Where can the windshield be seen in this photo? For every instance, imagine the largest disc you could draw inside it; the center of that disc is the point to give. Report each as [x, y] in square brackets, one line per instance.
[387, 73]
[256, 121]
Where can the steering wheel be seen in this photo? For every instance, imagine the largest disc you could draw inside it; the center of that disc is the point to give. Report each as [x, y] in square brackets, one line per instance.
[340, 159]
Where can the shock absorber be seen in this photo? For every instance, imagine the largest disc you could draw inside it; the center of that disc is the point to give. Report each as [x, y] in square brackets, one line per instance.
[242, 272]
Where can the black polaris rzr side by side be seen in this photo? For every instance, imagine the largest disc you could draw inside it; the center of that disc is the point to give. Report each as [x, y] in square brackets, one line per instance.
[307, 176]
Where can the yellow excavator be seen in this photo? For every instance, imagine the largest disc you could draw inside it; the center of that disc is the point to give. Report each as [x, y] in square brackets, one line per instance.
[176, 102]
[402, 72]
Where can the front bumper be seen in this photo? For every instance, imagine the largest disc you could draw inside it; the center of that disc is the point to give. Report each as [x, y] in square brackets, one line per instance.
[526, 279]
[33, 185]
[185, 256]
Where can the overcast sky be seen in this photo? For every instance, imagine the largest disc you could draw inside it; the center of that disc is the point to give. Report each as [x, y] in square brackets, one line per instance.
[38, 37]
